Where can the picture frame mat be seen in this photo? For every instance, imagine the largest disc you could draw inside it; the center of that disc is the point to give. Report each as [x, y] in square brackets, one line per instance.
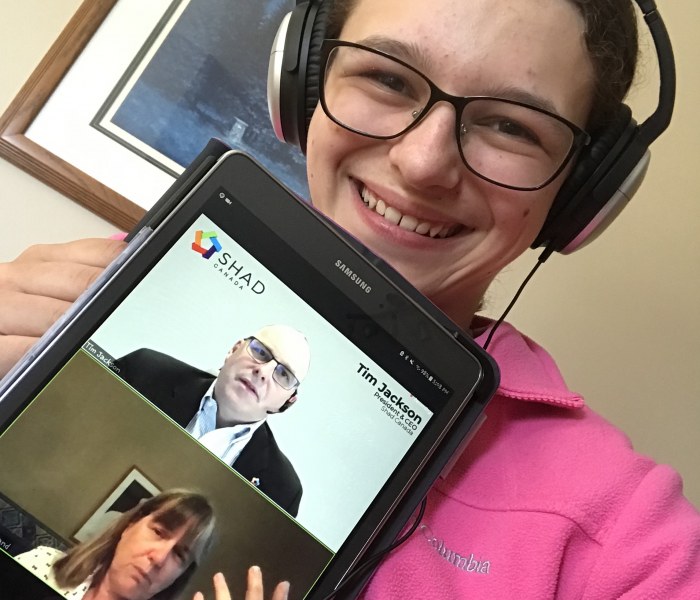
[96, 519]
[50, 165]
[102, 121]
[63, 126]
[31, 157]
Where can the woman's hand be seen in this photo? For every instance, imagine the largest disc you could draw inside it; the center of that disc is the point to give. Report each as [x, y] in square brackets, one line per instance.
[254, 591]
[40, 284]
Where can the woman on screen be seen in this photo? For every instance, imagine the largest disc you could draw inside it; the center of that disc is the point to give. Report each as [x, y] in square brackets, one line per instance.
[150, 552]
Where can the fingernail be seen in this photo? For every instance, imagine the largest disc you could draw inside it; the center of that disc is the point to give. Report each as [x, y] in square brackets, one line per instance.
[285, 585]
[255, 569]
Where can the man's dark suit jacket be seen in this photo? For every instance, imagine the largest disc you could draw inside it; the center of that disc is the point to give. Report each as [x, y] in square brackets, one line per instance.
[177, 389]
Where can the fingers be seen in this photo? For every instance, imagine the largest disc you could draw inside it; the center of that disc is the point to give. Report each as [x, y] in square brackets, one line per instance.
[255, 587]
[59, 270]
[27, 314]
[12, 348]
[23, 320]
[281, 591]
[62, 280]
[96, 252]
[39, 286]
[220, 588]
[254, 590]
[255, 584]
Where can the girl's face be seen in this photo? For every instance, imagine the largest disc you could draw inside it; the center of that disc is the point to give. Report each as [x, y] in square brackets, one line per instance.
[505, 48]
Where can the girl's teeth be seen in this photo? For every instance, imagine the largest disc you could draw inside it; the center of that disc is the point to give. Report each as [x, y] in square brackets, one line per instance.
[407, 222]
[392, 215]
[423, 228]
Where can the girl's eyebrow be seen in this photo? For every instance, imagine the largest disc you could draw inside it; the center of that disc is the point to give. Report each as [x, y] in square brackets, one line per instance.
[413, 55]
[520, 95]
[408, 52]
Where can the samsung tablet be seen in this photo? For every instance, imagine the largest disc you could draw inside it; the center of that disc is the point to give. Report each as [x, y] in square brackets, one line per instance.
[245, 349]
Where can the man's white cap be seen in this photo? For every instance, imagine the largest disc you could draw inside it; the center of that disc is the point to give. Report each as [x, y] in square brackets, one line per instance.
[289, 346]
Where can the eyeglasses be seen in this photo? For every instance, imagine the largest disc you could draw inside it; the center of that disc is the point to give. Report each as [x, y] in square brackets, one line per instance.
[260, 353]
[506, 142]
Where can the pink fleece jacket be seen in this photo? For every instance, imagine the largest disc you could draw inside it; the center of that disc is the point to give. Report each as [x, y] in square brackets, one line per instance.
[548, 501]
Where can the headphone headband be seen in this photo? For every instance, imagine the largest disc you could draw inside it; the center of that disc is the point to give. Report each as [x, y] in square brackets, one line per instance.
[611, 169]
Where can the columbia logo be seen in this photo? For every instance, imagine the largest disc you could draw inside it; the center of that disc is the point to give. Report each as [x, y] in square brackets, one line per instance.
[470, 564]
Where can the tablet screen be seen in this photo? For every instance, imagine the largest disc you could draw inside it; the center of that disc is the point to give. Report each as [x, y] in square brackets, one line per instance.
[238, 370]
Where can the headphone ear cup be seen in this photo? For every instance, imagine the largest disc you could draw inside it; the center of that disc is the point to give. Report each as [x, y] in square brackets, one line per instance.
[293, 72]
[312, 82]
[283, 72]
[579, 199]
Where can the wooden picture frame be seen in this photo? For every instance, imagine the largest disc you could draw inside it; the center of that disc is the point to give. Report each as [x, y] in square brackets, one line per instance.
[29, 156]
[130, 93]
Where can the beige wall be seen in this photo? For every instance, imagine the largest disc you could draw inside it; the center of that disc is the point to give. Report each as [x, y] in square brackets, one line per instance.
[621, 317]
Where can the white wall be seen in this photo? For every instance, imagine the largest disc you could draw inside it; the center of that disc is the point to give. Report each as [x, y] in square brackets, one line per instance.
[621, 317]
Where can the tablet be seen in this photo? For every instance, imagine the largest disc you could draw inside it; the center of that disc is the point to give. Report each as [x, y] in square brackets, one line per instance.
[245, 349]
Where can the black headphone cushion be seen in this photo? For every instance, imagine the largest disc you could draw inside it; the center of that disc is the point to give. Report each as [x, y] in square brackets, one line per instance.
[313, 67]
[581, 176]
[592, 156]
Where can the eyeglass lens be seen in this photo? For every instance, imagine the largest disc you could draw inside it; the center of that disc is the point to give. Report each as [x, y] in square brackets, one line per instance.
[281, 374]
[507, 143]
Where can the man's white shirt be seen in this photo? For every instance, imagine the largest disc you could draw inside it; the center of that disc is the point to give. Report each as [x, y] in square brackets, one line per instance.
[225, 442]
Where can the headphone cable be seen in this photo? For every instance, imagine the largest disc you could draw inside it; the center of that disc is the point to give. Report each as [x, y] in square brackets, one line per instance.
[375, 558]
[529, 276]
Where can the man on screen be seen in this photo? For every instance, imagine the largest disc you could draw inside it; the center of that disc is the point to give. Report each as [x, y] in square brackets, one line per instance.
[227, 413]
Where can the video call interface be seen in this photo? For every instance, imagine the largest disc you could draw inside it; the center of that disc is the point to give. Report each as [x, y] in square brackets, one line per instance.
[90, 446]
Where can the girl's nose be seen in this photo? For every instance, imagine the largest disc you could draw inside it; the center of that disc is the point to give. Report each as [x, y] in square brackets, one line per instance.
[427, 155]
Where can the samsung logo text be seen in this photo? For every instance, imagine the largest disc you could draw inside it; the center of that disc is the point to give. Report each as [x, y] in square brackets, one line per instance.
[354, 277]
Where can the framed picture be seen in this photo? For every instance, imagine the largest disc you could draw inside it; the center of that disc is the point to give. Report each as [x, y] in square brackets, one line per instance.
[131, 91]
[127, 493]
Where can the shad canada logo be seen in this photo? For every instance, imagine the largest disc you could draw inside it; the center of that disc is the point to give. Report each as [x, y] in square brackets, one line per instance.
[354, 277]
[231, 268]
[198, 244]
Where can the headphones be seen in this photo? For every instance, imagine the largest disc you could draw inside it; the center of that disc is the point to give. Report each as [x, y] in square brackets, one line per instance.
[606, 173]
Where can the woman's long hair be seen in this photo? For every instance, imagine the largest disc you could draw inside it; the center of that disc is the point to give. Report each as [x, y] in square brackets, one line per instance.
[172, 509]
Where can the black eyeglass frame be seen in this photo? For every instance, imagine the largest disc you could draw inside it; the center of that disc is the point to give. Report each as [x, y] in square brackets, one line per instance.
[580, 138]
[272, 358]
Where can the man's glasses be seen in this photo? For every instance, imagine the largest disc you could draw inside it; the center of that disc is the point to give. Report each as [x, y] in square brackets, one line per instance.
[282, 375]
[509, 143]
